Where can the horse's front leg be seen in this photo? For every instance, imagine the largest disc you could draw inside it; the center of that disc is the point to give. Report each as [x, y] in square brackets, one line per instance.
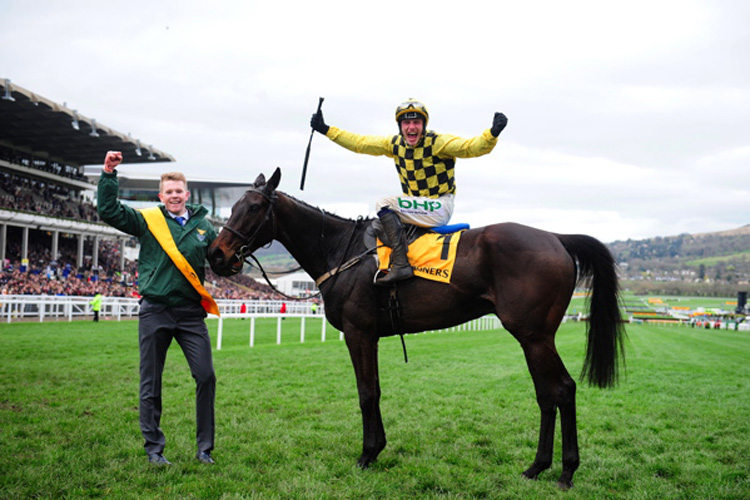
[364, 354]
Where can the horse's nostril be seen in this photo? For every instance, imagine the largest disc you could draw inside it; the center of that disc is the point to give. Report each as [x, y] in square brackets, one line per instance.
[215, 256]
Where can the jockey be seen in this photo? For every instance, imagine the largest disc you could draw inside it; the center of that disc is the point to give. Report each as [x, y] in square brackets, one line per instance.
[425, 162]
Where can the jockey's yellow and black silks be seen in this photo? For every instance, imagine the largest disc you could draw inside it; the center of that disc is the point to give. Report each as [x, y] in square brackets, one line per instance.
[421, 172]
[426, 169]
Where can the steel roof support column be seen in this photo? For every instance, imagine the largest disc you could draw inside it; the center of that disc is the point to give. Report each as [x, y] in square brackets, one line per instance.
[121, 241]
[25, 244]
[55, 244]
[79, 261]
[95, 253]
[3, 242]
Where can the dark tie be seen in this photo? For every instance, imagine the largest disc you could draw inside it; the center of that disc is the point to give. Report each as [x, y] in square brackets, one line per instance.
[181, 220]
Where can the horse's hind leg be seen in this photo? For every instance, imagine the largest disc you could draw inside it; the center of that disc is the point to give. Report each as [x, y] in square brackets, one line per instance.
[555, 388]
[364, 355]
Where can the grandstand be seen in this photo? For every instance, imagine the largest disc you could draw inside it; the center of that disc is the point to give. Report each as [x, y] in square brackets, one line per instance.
[51, 239]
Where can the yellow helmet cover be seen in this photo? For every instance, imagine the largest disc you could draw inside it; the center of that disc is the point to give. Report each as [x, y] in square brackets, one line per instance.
[411, 109]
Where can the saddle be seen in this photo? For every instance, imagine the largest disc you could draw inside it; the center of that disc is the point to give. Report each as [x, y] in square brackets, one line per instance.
[432, 257]
[377, 243]
[374, 232]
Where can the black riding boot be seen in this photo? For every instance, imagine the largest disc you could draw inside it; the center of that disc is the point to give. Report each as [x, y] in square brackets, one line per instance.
[400, 267]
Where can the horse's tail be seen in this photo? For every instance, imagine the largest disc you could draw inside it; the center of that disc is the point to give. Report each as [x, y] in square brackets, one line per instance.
[605, 330]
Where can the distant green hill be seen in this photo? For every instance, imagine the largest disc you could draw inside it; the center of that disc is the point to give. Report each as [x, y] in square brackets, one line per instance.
[716, 263]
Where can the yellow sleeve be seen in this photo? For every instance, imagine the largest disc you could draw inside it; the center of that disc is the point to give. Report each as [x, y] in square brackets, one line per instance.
[451, 146]
[375, 145]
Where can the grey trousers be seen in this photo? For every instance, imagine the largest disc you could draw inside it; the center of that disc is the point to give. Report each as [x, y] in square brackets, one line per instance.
[157, 326]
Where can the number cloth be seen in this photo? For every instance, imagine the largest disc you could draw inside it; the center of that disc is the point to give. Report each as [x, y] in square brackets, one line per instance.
[431, 255]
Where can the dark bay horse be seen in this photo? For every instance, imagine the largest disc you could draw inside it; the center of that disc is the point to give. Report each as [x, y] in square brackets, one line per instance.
[523, 275]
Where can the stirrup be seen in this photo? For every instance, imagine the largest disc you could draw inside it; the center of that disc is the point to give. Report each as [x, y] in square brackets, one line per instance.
[386, 281]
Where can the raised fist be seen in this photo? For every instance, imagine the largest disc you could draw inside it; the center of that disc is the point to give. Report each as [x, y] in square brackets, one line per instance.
[499, 121]
[111, 161]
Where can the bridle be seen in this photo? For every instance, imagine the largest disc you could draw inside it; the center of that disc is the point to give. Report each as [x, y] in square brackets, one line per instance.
[244, 251]
[244, 254]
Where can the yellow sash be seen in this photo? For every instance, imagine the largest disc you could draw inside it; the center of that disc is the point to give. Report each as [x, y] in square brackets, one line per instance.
[157, 224]
[432, 256]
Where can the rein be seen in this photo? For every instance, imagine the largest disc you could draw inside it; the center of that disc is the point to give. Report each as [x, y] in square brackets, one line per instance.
[243, 254]
[265, 277]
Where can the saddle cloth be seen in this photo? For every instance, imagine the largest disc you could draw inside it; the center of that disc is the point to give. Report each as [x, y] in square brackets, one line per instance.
[432, 255]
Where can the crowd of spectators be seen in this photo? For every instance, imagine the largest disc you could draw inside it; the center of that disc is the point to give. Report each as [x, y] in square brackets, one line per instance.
[49, 166]
[31, 195]
[42, 275]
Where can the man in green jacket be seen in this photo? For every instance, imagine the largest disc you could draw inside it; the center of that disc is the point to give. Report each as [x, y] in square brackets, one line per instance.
[425, 162]
[170, 305]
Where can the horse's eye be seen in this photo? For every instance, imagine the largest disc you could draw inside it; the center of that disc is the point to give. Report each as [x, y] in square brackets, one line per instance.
[254, 207]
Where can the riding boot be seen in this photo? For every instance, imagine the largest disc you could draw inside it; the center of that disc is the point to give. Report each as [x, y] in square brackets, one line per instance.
[400, 267]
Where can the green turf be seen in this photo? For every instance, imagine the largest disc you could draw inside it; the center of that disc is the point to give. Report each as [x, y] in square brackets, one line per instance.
[461, 417]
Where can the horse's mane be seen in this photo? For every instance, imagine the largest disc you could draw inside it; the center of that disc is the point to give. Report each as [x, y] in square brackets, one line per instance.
[318, 209]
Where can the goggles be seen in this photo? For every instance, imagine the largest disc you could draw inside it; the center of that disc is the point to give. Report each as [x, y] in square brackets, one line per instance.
[412, 109]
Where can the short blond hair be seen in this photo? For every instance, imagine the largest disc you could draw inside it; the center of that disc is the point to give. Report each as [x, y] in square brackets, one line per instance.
[173, 176]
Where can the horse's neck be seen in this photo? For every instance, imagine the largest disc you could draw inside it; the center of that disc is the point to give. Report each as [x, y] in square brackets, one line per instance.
[315, 239]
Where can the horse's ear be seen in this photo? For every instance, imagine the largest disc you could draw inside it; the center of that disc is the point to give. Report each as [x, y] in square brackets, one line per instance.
[273, 182]
[260, 180]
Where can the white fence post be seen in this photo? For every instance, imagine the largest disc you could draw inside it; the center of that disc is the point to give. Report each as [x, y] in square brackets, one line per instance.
[218, 335]
[252, 331]
[68, 307]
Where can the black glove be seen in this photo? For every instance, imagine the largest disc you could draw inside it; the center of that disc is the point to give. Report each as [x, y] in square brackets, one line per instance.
[317, 123]
[498, 124]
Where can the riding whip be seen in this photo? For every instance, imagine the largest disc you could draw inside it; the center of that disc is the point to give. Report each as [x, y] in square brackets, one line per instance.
[307, 153]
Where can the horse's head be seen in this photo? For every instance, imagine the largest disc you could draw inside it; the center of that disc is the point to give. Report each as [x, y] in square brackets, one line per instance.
[250, 226]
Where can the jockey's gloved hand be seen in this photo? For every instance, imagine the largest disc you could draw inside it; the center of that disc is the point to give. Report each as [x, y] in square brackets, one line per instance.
[498, 124]
[318, 124]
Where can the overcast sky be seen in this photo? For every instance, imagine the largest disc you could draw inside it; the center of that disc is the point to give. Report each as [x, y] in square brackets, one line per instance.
[626, 119]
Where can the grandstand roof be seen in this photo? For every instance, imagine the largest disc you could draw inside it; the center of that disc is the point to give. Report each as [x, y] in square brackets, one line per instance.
[215, 194]
[36, 125]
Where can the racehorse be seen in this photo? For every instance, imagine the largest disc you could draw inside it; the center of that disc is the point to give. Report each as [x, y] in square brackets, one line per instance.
[523, 275]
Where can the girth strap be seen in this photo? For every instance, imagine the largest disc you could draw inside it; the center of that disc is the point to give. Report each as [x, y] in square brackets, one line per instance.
[394, 309]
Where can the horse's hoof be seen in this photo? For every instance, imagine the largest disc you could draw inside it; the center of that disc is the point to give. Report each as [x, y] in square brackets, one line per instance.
[364, 462]
[534, 471]
[528, 475]
[564, 485]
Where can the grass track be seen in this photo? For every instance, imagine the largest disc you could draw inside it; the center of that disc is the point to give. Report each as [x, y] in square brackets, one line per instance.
[461, 418]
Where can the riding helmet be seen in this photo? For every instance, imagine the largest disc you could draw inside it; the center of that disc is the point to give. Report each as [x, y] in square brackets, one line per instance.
[410, 109]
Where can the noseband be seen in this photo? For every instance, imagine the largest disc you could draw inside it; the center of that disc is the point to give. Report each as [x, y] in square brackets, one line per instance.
[242, 253]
